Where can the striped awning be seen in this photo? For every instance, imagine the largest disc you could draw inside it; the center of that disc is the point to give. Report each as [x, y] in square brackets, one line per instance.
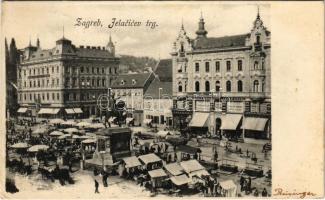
[22, 110]
[254, 123]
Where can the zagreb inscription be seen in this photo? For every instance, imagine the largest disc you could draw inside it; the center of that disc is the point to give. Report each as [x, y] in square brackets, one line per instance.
[113, 23]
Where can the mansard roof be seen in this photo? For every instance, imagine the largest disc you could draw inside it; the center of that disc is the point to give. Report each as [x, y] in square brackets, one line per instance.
[220, 42]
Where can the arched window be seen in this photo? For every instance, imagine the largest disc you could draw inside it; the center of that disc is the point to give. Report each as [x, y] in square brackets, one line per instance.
[263, 86]
[255, 86]
[180, 87]
[256, 65]
[185, 86]
[240, 86]
[207, 86]
[217, 86]
[197, 86]
[228, 86]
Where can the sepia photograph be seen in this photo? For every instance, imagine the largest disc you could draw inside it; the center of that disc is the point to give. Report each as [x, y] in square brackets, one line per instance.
[115, 100]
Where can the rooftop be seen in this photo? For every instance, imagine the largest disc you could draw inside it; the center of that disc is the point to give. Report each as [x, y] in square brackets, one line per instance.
[153, 90]
[131, 80]
[220, 42]
[164, 70]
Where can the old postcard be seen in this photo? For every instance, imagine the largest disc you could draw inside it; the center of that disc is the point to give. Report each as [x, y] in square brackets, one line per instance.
[162, 100]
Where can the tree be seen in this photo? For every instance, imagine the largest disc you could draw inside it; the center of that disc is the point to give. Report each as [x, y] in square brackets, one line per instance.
[13, 61]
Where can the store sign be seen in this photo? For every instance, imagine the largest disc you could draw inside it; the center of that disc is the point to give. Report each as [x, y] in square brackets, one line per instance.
[202, 105]
[235, 107]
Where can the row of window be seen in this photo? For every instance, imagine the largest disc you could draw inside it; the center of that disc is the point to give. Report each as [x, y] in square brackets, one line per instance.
[39, 71]
[47, 70]
[81, 96]
[38, 96]
[93, 70]
[228, 66]
[86, 82]
[41, 83]
[256, 86]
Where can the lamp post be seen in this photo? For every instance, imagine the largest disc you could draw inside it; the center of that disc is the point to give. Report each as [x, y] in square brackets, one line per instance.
[159, 99]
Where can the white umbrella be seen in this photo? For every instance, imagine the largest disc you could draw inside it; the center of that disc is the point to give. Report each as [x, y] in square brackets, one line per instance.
[39, 130]
[20, 145]
[69, 122]
[83, 124]
[56, 121]
[97, 125]
[71, 130]
[56, 133]
[91, 134]
[38, 147]
[88, 141]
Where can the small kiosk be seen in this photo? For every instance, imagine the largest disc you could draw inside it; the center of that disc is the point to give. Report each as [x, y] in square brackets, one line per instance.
[112, 145]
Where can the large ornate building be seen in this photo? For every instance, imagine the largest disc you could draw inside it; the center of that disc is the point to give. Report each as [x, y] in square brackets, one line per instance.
[65, 80]
[223, 84]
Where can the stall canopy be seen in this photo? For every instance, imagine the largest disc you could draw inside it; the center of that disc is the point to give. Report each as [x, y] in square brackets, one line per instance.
[199, 173]
[157, 173]
[22, 110]
[174, 169]
[180, 180]
[199, 120]
[230, 121]
[191, 166]
[254, 123]
[131, 162]
[149, 158]
[77, 110]
[163, 133]
[228, 188]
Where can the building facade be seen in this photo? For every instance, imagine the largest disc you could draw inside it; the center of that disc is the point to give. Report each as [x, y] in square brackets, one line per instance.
[223, 85]
[158, 103]
[65, 80]
[130, 88]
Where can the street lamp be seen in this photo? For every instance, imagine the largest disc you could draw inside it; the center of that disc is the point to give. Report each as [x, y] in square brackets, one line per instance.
[159, 99]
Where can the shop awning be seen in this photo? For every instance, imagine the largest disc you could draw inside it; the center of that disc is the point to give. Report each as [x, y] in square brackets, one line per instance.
[69, 111]
[131, 162]
[199, 173]
[199, 120]
[149, 158]
[157, 173]
[22, 110]
[180, 180]
[55, 111]
[230, 121]
[45, 111]
[254, 123]
[77, 110]
[174, 169]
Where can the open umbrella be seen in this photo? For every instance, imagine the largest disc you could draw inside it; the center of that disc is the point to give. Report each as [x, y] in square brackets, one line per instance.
[96, 126]
[69, 122]
[89, 141]
[20, 145]
[56, 121]
[71, 130]
[56, 133]
[38, 147]
[83, 124]
[39, 130]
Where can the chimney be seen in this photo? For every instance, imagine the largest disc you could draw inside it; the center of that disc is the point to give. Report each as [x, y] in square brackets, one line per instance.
[81, 46]
[93, 47]
[88, 47]
[103, 48]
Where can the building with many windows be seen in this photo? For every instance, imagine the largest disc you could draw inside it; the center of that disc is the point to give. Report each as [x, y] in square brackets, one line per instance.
[65, 80]
[131, 88]
[223, 84]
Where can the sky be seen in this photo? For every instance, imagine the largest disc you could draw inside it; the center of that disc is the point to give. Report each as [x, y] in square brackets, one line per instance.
[26, 21]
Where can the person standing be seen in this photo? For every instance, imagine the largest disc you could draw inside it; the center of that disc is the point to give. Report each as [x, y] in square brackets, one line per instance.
[96, 186]
[264, 193]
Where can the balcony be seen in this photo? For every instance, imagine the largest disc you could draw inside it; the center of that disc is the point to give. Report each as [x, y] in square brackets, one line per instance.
[258, 72]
